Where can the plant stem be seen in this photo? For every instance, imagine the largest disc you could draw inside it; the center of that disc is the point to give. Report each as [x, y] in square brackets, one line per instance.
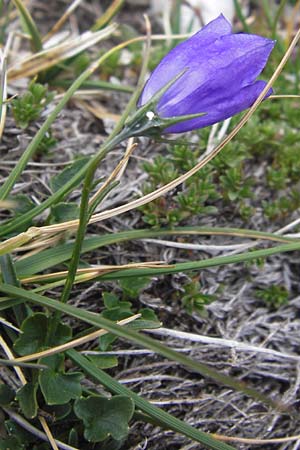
[84, 214]
[241, 16]
[277, 17]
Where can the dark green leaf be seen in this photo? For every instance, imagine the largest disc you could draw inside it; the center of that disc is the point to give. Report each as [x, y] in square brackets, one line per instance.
[57, 386]
[37, 334]
[148, 320]
[10, 443]
[59, 180]
[106, 340]
[27, 400]
[22, 203]
[119, 312]
[110, 300]
[7, 394]
[132, 287]
[58, 411]
[104, 361]
[62, 212]
[19, 433]
[103, 417]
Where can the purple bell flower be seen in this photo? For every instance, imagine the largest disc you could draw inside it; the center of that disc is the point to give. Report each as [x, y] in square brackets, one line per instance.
[220, 77]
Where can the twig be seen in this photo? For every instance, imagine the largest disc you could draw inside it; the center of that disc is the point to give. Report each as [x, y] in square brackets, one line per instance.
[35, 431]
[219, 342]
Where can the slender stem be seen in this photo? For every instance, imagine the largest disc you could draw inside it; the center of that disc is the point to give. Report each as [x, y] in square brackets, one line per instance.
[84, 214]
[139, 87]
[35, 431]
[240, 15]
[277, 17]
[266, 8]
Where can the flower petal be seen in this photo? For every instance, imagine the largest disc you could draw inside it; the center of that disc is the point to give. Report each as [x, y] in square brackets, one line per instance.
[228, 107]
[182, 55]
[231, 63]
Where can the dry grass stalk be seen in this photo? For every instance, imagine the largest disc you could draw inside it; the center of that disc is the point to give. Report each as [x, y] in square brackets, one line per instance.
[96, 271]
[74, 343]
[45, 59]
[62, 20]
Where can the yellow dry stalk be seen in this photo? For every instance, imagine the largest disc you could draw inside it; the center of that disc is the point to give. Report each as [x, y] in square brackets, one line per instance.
[100, 112]
[7, 204]
[57, 26]
[47, 58]
[48, 433]
[117, 172]
[95, 271]
[221, 437]
[74, 343]
[17, 241]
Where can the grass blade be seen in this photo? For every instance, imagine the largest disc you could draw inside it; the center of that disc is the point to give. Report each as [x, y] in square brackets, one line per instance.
[29, 152]
[111, 11]
[137, 338]
[167, 420]
[54, 256]
[29, 25]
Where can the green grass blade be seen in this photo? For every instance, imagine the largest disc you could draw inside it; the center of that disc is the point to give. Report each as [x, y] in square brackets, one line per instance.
[54, 256]
[111, 11]
[137, 338]
[6, 303]
[167, 420]
[25, 219]
[29, 152]
[3, 81]
[277, 17]
[29, 25]
[9, 276]
[95, 84]
[241, 17]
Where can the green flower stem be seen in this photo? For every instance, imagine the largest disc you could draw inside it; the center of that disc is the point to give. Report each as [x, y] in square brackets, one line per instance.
[240, 15]
[277, 17]
[137, 124]
[85, 212]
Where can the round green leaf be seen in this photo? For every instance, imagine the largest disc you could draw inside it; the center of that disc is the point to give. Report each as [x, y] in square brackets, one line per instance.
[103, 417]
[27, 400]
[57, 386]
[36, 336]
